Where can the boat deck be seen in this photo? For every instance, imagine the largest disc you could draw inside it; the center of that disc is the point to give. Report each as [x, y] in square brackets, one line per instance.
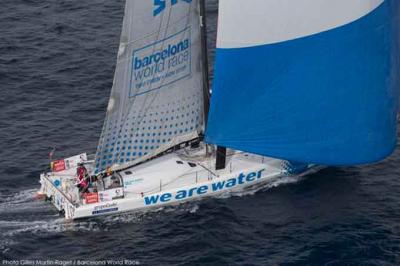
[186, 169]
[182, 169]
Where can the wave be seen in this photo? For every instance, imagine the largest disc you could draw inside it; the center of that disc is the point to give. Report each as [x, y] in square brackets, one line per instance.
[22, 214]
[249, 191]
[22, 196]
[22, 202]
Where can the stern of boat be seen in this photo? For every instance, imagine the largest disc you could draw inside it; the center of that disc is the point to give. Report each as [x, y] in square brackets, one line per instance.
[57, 186]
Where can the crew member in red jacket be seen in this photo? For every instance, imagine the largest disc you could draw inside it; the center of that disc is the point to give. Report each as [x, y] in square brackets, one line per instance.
[82, 176]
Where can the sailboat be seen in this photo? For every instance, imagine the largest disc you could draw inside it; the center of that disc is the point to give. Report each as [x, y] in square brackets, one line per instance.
[298, 85]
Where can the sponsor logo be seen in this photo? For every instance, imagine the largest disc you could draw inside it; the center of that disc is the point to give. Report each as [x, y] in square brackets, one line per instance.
[104, 211]
[129, 183]
[160, 5]
[92, 198]
[58, 166]
[57, 183]
[106, 206]
[163, 55]
[105, 196]
[161, 64]
[203, 190]
[109, 207]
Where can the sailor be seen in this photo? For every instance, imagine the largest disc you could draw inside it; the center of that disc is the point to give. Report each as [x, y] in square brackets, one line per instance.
[109, 171]
[82, 176]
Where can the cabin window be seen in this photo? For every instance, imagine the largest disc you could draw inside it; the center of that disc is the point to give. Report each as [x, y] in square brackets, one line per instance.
[128, 172]
[113, 181]
[192, 164]
[179, 162]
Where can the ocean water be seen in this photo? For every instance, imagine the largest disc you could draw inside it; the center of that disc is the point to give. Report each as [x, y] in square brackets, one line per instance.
[57, 61]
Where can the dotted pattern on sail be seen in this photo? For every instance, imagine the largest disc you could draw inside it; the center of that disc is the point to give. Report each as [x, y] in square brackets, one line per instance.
[157, 97]
[141, 135]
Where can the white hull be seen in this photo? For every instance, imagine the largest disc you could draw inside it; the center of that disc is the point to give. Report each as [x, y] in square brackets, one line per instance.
[175, 178]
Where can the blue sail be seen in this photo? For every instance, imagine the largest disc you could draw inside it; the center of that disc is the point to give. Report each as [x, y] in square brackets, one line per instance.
[325, 94]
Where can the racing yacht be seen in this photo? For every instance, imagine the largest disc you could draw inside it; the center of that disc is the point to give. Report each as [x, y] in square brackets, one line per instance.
[295, 87]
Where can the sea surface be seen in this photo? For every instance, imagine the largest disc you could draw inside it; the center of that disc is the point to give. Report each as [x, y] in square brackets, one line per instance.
[57, 61]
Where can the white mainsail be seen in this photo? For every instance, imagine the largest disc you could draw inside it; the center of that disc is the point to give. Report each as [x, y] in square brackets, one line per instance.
[157, 97]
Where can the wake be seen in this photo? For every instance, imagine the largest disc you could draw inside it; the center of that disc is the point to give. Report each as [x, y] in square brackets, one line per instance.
[268, 185]
[21, 213]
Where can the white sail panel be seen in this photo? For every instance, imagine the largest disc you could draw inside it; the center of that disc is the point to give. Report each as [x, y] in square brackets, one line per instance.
[157, 97]
[260, 22]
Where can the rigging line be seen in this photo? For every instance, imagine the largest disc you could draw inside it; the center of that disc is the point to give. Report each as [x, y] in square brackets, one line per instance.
[208, 170]
[206, 74]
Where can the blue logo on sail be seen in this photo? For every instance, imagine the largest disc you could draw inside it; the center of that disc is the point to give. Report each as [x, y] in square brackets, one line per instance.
[161, 64]
[160, 5]
[161, 56]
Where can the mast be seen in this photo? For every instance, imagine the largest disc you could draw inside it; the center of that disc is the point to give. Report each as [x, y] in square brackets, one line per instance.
[220, 151]
[221, 158]
[204, 52]
[206, 74]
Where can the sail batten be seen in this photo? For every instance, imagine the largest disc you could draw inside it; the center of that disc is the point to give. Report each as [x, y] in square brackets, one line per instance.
[325, 94]
[157, 95]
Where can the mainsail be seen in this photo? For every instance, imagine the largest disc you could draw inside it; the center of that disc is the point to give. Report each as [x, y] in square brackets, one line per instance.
[308, 80]
[157, 96]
